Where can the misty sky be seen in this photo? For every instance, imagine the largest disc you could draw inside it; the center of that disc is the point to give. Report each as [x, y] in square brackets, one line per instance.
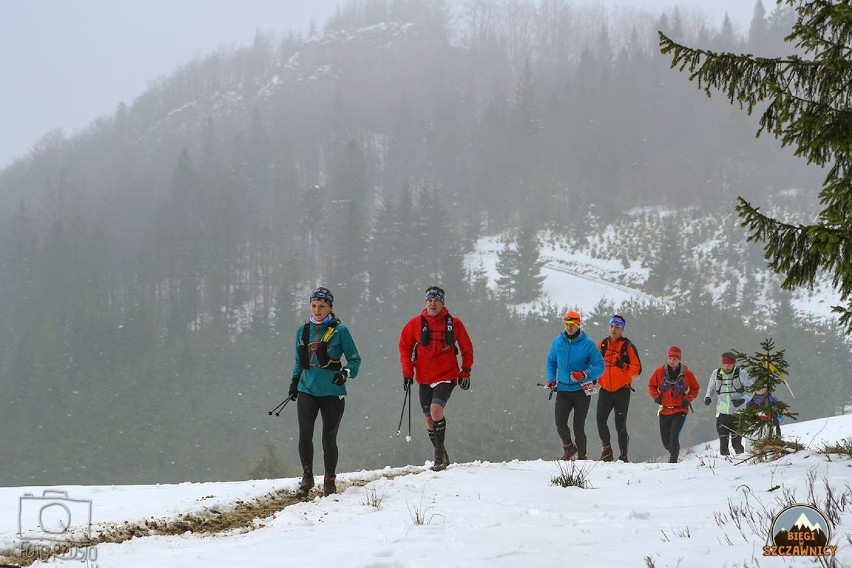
[64, 63]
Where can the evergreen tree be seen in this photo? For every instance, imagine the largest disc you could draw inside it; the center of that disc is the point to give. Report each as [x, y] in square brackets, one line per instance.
[807, 106]
[767, 370]
[269, 465]
[519, 265]
[507, 267]
[382, 262]
[758, 31]
[530, 264]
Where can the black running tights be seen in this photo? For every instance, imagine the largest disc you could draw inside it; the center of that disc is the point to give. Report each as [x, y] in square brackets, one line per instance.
[331, 408]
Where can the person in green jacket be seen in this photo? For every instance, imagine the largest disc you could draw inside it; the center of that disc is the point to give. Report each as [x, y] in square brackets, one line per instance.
[318, 385]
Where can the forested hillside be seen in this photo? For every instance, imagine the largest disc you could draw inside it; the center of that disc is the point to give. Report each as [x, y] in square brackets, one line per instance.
[155, 267]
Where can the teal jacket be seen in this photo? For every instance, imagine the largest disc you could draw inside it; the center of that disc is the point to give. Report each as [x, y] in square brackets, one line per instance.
[315, 380]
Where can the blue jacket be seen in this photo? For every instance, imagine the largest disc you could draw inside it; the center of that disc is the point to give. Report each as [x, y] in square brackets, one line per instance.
[316, 380]
[568, 355]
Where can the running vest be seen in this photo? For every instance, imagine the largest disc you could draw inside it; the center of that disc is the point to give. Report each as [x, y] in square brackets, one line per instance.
[734, 382]
[449, 334]
[624, 358]
[323, 360]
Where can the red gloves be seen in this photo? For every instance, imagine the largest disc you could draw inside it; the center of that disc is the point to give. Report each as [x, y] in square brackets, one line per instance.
[579, 375]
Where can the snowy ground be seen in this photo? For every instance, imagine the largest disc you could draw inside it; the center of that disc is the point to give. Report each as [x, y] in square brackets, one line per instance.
[490, 515]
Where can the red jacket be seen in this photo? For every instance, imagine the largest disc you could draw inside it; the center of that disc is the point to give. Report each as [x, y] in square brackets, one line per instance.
[673, 394]
[436, 361]
[615, 377]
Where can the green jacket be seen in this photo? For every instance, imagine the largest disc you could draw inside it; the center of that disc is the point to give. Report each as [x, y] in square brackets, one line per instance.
[316, 380]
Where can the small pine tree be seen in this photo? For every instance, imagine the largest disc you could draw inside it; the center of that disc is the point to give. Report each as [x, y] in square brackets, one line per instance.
[767, 369]
[530, 264]
[508, 263]
[269, 466]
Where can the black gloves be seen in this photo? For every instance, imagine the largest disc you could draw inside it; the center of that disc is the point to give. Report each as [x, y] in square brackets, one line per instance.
[740, 390]
[294, 388]
[685, 403]
[406, 383]
[340, 377]
[464, 379]
[707, 400]
[739, 402]
[621, 365]
[659, 400]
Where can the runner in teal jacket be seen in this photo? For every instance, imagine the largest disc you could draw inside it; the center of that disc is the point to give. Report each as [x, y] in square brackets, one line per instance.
[316, 379]
[326, 358]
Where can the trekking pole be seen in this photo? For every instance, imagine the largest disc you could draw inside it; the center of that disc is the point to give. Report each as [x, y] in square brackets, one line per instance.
[542, 385]
[277, 410]
[401, 414]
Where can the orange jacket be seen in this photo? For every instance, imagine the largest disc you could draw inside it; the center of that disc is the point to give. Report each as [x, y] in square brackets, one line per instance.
[673, 394]
[618, 374]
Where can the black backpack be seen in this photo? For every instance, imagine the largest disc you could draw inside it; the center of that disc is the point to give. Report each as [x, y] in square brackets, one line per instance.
[449, 334]
[323, 359]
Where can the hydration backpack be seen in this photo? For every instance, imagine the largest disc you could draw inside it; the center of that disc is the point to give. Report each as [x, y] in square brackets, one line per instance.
[735, 381]
[323, 360]
[449, 334]
[624, 358]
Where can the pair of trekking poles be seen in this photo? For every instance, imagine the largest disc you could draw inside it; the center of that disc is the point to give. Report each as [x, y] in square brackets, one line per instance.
[277, 411]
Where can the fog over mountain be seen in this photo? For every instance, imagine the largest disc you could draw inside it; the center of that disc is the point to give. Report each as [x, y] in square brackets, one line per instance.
[117, 50]
[156, 264]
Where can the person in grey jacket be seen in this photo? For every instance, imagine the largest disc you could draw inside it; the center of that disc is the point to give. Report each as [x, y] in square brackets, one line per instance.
[728, 384]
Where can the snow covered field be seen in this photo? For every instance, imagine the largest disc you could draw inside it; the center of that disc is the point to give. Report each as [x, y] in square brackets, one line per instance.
[578, 280]
[474, 514]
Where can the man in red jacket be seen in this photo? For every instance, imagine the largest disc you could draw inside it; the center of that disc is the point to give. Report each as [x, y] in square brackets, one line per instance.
[429, 348]
[673, 386]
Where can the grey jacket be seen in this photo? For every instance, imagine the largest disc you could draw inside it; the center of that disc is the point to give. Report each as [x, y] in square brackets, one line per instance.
[724, 387]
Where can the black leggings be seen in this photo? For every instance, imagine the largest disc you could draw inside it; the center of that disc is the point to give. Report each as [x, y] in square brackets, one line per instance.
[579, 402]
[308, 407]
[726, 427]
[670, 427]
[620, 402]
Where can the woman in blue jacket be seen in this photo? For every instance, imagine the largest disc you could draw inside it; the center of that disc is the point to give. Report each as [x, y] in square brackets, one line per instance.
[574, 365]
[318, 385]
